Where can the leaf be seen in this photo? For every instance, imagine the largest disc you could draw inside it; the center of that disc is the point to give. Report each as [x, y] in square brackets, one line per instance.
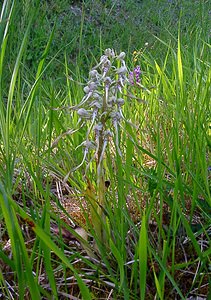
[142, 250]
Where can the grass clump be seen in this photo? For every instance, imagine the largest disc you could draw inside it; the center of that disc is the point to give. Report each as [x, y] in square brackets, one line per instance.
[133, 219]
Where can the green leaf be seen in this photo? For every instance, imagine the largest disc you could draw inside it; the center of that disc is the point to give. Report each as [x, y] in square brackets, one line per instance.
[142, 250]
[21, 259]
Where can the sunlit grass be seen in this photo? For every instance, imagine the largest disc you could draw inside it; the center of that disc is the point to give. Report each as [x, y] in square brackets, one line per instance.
[157, 206]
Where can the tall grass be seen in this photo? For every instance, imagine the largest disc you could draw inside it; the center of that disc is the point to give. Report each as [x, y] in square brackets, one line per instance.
[157, 207]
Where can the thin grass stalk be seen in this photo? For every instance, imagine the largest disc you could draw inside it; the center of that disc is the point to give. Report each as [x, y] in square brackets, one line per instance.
[31, 97]
[175, 286]
[44, 238]
[46, 251]
[8, 119]
[4, 288]
[180, 67]
[142, 250]
[5, 20]
[2, 105]
[162, 276]
[19, 249]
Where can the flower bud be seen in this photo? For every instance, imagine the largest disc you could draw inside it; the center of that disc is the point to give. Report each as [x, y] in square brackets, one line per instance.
[107, 81]
[115, 115]
[96, 104]
[89, 145]
[107, 134]
[93, 74]
[121, 70]
[92, 85]
[86, 89]
[106, 66]
[109, 52]
[84, 114]
[96, 96]
[111, 101]
[103, 59]
[121, 56]
[120, 102]
[98, 127]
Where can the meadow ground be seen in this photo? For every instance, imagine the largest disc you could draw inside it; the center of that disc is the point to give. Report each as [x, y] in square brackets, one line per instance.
[105, 175]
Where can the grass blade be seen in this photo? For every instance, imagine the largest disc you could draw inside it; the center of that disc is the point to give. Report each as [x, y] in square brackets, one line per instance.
[142, 250]
[21, 258]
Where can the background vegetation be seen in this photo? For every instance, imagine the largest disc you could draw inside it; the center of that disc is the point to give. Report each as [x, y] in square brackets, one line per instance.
[158, 204]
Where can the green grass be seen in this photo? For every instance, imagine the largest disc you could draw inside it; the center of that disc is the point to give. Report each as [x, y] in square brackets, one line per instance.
[158, 204]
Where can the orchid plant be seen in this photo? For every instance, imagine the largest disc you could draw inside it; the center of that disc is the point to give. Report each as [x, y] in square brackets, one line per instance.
[101, 110]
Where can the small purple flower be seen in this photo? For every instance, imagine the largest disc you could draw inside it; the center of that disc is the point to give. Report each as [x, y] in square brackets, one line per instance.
[134, 76]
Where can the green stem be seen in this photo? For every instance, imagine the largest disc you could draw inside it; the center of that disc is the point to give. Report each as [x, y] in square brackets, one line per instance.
[100, 175]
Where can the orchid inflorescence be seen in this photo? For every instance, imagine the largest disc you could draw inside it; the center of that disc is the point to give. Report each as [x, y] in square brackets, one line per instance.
[134, 76]
[101, 111]
[101, 106]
